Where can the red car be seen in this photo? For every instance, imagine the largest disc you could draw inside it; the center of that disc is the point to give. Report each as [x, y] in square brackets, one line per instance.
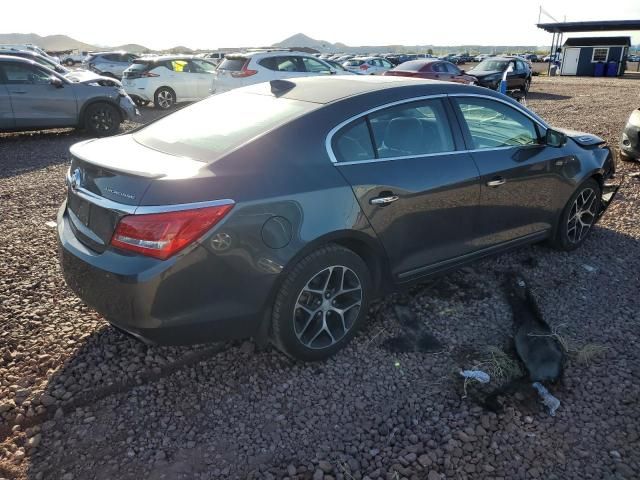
[432, 69]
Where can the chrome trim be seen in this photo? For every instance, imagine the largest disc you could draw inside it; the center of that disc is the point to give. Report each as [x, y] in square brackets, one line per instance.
[145, 209]
[334, 130]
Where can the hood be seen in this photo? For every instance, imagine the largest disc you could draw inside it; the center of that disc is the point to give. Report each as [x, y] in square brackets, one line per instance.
[483, 73]
[582, 138]
[87, 77]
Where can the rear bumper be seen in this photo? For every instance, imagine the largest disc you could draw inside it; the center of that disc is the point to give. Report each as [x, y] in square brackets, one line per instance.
[191, 298]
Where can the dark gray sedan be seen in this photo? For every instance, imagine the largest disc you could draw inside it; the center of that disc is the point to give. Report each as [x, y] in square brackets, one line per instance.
[280, 210]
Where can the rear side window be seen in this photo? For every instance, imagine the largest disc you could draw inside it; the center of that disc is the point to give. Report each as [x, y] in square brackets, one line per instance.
[355, 63]
[414, 129]
[353, 143]
[451, 68]
[139, 66]
[290, 64]
[232, 64]
[313, 65]
[493, 124]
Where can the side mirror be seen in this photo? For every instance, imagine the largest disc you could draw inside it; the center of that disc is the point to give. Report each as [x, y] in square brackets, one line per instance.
[55, 81]
[554, 138]
[332, 71]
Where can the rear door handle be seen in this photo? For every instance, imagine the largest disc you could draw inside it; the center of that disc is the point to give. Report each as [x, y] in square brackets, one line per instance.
[382, 201]
[496, 182]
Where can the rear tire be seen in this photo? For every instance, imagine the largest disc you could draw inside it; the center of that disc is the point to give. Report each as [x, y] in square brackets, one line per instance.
[321, 304]
[164, 98]
[69, 63]
[139, 101]
[578, 216]
[102, 119]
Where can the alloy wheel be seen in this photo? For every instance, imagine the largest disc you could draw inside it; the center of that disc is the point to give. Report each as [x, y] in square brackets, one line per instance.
[327, 307]
[582, 215]
[165, 99]
[102, 120]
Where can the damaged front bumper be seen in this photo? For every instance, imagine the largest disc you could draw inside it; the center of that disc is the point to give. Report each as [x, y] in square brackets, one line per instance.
[610, 189]
[128, 107]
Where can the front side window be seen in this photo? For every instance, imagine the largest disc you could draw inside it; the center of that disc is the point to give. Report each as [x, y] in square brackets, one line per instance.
[412, 129]
[600, 54]
[313, 65]
[494, 124]
[289, 64]
[17, 74]
[451, 68]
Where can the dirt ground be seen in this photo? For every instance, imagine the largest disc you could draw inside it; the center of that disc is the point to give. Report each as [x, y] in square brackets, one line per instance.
[81, 401]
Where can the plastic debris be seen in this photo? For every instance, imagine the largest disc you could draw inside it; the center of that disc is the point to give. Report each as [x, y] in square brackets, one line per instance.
[478, 375]
[51, 224]
[589, 268]
[551, 402]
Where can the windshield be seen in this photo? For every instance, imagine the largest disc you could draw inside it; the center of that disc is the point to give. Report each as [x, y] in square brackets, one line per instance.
[489, 65]
[208, 129]
[411, 66]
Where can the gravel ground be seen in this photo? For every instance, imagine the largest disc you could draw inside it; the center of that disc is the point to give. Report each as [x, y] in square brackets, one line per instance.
[79, 400]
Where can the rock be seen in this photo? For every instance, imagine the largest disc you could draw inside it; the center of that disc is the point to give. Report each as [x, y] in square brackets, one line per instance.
[318, 474]
[248, 347]
[325, 466]
[67, 476]
[625, 471]
[291, 470]
[47, 400]
[424, 460]
[34, 441]
[433, 475]
[410, 457]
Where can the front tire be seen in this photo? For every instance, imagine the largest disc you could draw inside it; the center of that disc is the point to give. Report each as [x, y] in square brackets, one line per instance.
[165, 98]
[578, 216]
[321, 304]
[69, 63]
[102, 119]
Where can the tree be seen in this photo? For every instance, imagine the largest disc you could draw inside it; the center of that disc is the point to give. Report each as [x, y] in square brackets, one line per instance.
[430, 51]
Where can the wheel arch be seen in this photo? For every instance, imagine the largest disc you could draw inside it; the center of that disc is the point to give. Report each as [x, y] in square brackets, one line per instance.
[362, 244]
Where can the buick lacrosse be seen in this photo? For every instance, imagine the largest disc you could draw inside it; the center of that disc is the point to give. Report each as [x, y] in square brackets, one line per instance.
[280, 210]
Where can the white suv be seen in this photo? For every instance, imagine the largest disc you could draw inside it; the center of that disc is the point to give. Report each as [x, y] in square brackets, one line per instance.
[239, 70]
[168, 80]
[368, 65]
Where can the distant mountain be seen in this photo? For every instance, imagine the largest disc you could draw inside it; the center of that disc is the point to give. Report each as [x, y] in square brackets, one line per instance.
[301, 40]
[131, 47]
[53, 43]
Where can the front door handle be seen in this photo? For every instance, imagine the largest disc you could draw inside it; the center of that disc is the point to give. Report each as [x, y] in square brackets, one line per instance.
[496, 182]
[382, 201]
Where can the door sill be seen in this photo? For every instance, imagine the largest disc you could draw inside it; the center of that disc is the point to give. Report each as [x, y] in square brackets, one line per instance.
[455, 262]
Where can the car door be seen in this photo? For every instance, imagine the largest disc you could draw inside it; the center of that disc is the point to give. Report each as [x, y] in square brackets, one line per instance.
[202, 76]
[414, 183]
[515, 79]
[181, 80]
[6, 111]
[520, 176]
[36, 102]
[440, 71]
[455, 74]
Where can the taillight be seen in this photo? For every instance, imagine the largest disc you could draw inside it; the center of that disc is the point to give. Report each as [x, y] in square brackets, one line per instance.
[161, 235]
[149, 74]
[364, 66]
[244, 72]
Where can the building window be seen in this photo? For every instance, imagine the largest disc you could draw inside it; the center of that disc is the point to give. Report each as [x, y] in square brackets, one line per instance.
[600, 55]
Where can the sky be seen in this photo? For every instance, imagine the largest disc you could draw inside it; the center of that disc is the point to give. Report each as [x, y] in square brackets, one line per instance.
[163, 24]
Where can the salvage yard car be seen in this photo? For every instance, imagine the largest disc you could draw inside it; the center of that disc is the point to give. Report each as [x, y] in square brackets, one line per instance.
[489, 73]
[242, 69]
[168, 80]
[630, 141]
[433, 70]
[212, 223]
[33, 96]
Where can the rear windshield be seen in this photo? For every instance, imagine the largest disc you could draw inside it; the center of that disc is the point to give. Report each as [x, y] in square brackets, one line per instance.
[233, 64]
[208, 129]
[139, 65]
[412, 66]
[354, 63]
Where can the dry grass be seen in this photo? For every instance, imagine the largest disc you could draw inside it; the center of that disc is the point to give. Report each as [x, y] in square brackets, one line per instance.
[589, 353]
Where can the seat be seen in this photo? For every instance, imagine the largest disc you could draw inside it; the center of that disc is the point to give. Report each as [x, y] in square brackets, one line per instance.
[403, 137]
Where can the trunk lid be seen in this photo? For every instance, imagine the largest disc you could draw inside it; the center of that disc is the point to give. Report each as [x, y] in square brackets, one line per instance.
[102, 188]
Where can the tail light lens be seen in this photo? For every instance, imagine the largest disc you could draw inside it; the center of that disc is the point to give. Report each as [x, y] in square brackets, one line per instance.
[149, 74]
[364, 66]
[162, 235]
[244, 72]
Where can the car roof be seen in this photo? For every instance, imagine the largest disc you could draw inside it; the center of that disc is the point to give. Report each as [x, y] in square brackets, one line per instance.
[268, 53]
[328, 89]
